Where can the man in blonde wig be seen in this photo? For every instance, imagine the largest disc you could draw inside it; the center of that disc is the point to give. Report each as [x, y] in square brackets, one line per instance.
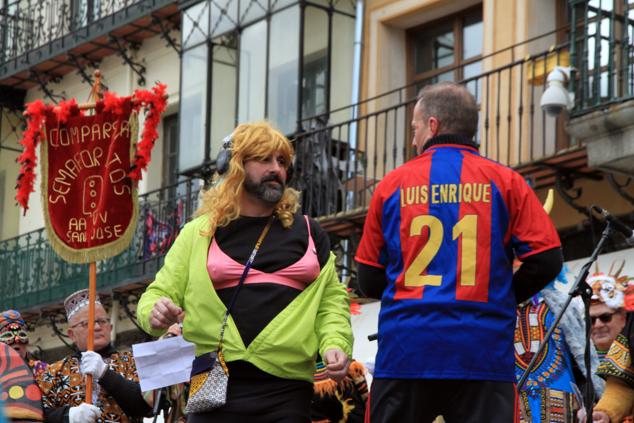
[291, 304]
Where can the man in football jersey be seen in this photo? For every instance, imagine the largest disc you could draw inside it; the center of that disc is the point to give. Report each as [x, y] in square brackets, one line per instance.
[437, 249]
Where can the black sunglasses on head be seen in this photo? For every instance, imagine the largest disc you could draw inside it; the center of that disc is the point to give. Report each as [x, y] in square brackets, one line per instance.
[605, 318]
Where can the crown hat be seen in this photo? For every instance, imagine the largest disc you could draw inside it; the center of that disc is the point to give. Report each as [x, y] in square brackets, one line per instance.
[76, 301]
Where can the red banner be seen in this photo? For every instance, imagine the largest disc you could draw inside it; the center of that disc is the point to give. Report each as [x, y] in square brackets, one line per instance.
[91, 203]
[91, 163]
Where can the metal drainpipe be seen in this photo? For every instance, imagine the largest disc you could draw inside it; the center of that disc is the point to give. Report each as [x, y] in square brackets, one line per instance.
[356, 89]
[356, 71]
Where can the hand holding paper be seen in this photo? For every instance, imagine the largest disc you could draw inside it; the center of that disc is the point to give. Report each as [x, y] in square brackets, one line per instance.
[163, 363]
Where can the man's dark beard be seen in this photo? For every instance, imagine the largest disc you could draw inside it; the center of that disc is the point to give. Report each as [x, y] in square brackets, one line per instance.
[269, 193]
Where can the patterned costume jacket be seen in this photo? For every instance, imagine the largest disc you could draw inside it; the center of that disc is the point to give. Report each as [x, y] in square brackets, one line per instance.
[339, 402]
[548, 394]
[38, 367]
[63, 385]
[618, 361]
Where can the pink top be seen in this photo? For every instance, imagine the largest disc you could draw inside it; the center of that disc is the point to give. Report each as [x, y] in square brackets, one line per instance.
[225, 272]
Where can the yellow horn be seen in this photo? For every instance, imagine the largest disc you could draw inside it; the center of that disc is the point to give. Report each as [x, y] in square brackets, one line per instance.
[618, 272]
[550, 200]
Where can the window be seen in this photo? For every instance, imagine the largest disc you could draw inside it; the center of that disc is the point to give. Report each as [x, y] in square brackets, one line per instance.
[283, 76]
[252, 72]
[224, 73]
[244, 61]
[170, 150]
[315, 76]
[193, 107]
[314, 85]
[11, 25]
[447, 50]
[195, 23]
[603, 43]
[85, 12]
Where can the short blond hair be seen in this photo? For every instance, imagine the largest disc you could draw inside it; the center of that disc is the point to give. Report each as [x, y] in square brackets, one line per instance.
[221, 202]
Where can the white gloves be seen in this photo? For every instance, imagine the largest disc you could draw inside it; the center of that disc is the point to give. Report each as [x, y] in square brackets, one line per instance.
[92, 364]
[83, 413]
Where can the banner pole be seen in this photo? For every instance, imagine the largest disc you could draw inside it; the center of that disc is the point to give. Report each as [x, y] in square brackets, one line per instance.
[95, 94]
[92, 294]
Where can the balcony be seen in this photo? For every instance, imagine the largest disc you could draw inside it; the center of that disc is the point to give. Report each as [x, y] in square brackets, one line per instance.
[603, 82]
[33, 275]
[339, 161]
[602, 54]
[42, 40]
[339, 164]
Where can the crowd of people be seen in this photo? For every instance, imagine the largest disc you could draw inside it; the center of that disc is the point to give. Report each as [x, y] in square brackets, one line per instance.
[251, 282]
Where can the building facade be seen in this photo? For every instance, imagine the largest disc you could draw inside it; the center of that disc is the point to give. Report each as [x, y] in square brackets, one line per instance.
[340, 78]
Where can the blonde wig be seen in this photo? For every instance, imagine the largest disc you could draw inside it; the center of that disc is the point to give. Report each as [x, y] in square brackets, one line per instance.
[221, 202]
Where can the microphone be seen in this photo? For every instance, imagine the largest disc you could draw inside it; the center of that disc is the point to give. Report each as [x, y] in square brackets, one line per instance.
[618, 225]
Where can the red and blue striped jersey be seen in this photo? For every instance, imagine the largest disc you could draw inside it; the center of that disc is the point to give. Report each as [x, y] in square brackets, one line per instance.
[445, 227]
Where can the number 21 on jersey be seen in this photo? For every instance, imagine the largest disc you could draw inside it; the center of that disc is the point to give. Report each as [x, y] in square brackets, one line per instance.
[466, 229]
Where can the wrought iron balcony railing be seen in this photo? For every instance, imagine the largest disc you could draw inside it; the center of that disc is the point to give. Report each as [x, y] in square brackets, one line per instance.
[602, 53]
[338, 164]
[33, 275]
[33, 30]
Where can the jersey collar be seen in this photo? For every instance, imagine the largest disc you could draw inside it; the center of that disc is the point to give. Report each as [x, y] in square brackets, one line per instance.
[451, 140]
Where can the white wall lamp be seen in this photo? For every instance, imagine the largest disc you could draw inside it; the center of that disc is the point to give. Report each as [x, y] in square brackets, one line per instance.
[556, 97]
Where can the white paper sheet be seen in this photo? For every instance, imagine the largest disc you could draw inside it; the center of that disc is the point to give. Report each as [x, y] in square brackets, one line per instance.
[163, 363]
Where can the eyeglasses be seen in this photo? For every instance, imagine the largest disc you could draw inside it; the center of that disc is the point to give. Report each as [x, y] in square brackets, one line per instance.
[84, 323]
[605, 318]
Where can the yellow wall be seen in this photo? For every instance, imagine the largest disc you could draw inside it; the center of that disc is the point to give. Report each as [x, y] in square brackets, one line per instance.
[593, 193]
[510, 24]
[384, 47]
[9, 171]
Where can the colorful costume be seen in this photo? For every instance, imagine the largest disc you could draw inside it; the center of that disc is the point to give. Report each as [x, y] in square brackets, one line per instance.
[445, 227]
[116, 392]
[342, 402]
[63, 386]
[13, 330]
[446, 239]
[19, 393]
[548, 394]
[291, 306]
[618, 401]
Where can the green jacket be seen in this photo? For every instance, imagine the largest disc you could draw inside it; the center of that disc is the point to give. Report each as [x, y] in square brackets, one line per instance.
[318, 319]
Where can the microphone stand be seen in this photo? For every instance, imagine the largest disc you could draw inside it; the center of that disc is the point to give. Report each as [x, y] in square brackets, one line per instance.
[161, 403]
[582, 289]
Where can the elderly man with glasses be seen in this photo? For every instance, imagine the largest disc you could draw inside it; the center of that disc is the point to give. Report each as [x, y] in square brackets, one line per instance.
[116, 394]
[613, 332]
